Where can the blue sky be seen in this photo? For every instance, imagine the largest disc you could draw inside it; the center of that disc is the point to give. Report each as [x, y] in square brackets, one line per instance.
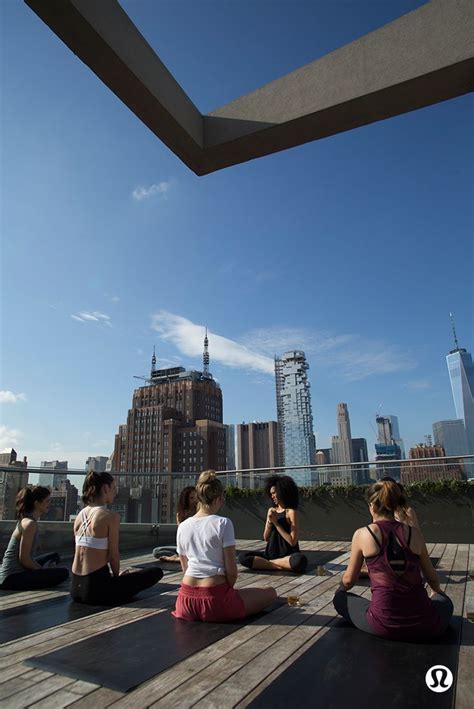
[354, 248]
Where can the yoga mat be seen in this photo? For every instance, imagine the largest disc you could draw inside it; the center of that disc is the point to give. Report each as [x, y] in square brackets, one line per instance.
[315, 559]
[20, 621]
[168, 567]
[349, 668]
[125, 657]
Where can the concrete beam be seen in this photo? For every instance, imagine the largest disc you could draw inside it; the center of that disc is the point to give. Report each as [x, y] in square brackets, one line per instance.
[420, 59]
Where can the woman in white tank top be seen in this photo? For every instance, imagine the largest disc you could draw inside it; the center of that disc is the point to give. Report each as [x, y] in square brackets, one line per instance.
[96, 576]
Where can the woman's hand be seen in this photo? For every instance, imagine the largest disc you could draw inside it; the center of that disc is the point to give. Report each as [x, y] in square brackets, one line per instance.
[272, 515]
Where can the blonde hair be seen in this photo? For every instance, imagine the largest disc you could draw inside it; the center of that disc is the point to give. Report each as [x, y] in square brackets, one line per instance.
[387, 497]
[208, 488]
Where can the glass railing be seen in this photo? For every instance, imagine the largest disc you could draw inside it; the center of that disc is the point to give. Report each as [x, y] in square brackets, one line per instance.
[152, 498]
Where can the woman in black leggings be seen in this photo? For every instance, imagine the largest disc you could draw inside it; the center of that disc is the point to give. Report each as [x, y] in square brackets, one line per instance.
[280, 532]
[96, 532]
[22, 569]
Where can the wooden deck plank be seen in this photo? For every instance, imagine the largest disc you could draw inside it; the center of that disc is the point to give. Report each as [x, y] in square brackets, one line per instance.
[102, 697]
[65, 697]
[34, 693]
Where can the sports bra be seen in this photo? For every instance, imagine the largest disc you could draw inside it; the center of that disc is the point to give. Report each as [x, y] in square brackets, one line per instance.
[87, 540]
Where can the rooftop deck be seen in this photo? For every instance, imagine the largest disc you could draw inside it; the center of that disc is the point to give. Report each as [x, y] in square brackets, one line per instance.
[237, 669]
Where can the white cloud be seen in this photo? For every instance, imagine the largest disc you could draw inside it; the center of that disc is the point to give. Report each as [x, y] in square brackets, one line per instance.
[114, 299]
[188, 338]
[8, 437]
[95, 316]
[8, 397]
[351, 356]
[161, 188]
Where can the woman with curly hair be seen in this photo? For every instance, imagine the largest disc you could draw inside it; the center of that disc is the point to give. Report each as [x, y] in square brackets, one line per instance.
[280, 532]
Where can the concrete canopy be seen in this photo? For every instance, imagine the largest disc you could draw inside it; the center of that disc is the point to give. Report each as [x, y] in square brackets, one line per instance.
[419, 59]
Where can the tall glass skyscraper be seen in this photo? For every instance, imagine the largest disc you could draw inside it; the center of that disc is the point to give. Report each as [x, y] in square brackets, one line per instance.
[451, 435]
[461, 375]
[297, 445]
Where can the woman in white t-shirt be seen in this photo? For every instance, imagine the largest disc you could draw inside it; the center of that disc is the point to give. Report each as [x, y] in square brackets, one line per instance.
[206, 547]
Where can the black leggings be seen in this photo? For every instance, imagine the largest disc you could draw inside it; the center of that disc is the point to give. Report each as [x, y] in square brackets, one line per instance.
[298, 561]
[100, 588]
[34, 579]
[354, 608]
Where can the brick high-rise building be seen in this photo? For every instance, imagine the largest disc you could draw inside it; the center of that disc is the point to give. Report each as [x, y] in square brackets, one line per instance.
[63, 502]
[257, 446]
[11, 482]
[174, 426]
[417, 469]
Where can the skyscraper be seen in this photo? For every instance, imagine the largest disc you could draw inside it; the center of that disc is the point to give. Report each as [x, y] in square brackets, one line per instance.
[295, 419]
[461, 375]
[396, 433]
[341, 448]
[230, 446]
[360, 454]
[257, 446]
[386, 449]
[53, 479]
[451, 435]
[174, 426]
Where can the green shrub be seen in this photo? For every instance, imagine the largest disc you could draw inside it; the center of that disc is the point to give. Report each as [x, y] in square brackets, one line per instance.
[426, 487]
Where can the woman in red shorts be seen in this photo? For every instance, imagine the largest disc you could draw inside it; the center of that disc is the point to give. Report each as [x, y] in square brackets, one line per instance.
[206, 547]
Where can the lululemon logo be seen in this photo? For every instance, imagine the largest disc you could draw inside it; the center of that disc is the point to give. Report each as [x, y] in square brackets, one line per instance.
[439, 678]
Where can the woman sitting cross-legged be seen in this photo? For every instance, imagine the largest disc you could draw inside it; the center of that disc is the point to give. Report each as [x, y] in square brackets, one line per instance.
[396, 554]
[96, 532]
[281, 530]
[187, 507]
[406, 514]
[206, 546]
[22, 569]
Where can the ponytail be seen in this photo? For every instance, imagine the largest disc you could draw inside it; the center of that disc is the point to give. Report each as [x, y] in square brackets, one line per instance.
[208, 488]
[93, 485]
[387, 497]
[26, 498]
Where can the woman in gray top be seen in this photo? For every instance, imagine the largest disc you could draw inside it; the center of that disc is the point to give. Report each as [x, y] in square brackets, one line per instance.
[21, 570]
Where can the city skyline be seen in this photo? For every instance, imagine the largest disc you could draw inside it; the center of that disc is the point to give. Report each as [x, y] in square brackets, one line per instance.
[308, 249]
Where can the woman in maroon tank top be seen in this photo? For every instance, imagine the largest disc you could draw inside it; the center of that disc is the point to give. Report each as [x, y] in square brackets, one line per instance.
[396, 555]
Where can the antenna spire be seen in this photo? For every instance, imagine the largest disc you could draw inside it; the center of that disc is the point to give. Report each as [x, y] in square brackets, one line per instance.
[153, 361]
[205, 356]
[454, 331]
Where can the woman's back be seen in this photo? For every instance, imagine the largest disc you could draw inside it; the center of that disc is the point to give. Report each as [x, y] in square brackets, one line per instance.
[11, 563]
[400, 606]
[202, 540]
[91, 530]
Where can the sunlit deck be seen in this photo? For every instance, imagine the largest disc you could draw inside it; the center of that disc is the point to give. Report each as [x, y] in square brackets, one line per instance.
[237, 669]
